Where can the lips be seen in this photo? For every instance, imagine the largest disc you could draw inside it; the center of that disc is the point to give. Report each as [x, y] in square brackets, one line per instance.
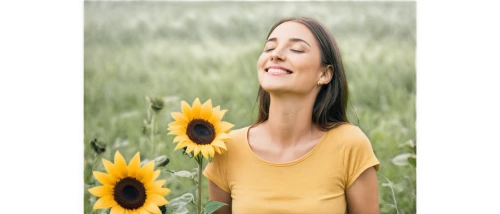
[277, 70]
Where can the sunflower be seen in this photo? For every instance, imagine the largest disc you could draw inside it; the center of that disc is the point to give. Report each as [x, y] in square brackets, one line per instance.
[129, 189]
[199, 128]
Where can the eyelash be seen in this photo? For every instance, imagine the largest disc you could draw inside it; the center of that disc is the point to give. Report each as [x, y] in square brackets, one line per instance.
[296, 51]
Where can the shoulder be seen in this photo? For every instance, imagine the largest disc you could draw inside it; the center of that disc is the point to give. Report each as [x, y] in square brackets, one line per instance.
[355, 142]
[233, 144]
[347, 130]
[238, 138]
[356, 134]
[237, 133]
[350, 135]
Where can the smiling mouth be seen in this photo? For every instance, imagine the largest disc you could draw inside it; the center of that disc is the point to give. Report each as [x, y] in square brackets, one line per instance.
[277, 71]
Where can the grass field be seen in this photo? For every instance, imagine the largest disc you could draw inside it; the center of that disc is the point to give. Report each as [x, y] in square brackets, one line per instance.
[209, 50]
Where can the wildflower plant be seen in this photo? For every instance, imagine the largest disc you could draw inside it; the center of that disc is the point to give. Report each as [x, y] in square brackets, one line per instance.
[129, 188]
[199, 132]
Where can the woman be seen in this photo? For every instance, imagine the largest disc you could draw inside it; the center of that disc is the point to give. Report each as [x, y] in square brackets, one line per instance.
[302, 155]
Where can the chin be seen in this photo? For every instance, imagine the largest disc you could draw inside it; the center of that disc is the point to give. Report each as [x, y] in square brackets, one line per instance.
[273, 87]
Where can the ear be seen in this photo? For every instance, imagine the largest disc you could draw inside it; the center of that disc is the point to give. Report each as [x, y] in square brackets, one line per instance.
[327, 75]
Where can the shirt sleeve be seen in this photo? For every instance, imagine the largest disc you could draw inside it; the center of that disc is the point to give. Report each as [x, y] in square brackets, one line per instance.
[358, 156]
[216, 171]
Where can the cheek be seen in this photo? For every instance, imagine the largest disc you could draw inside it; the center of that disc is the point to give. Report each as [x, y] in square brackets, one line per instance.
[308, 70]
[305, 64]
[261, 61]
[260, 67]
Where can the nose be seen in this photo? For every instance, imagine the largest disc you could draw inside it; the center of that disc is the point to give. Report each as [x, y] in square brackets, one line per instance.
[277, 54]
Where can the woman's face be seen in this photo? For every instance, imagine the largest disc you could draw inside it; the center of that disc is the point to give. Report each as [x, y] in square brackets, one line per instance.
[291, 60]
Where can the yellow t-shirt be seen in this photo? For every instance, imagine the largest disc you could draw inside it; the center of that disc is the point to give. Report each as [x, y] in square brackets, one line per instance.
[315, 183]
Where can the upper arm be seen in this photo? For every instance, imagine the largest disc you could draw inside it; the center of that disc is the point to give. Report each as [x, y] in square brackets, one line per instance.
[362, 195]
[218, 187]
[217, 194]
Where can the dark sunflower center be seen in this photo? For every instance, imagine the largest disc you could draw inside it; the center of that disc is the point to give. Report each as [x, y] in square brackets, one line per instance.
[201, 131]
[130, 193]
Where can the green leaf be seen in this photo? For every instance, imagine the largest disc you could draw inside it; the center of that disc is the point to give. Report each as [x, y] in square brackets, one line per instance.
[401, 159]
[179, 205]
[212, 206]
[413, 160]
[409, 144]
[182, 173]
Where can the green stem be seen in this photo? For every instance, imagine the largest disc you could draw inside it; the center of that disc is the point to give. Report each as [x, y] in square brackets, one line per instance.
[200, 164]
[153, 133]
[96, 160]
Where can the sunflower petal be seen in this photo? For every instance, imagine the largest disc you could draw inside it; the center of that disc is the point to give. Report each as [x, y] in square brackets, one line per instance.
[158, 200]
[217, 116]
[204, 150]
[179, 131]
[174, 127]
[151, 207]
[217, 149]
[222, 136]
[182, 144]
[143, 211]
[111, 169]
[101, 191]
[223, 126]
[211, 151]
[155, 175]
[196, 150]
[179, 117]
[151, 186]
[196, 108]
[117, 209]
[120, 165]
[134, 165]
[190, 148]
[146, 172]
[104, 202]
[206, 110]
[180, 138]
[159, 183]
[159, 191]
[177, 123]
[186, 110]
[219, 143]
[103, 178]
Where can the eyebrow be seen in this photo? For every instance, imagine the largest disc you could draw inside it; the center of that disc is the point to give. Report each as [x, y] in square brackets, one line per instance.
[291, 39]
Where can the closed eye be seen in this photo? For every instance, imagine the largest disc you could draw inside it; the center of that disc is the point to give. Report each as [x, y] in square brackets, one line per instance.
[297, 51]
[269, 49]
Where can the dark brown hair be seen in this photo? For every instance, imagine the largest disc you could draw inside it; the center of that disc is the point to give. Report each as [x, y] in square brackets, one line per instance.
[329, 109]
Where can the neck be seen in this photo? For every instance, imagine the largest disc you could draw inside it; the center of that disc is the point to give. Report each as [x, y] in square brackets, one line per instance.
[290, 120]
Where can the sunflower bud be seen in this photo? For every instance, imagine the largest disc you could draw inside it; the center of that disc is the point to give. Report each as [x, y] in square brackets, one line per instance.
[161, 161]
[97, 146]
[163, 209]
[156, 103]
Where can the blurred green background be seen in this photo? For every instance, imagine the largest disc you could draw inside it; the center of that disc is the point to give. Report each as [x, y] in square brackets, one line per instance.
[183, 50]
